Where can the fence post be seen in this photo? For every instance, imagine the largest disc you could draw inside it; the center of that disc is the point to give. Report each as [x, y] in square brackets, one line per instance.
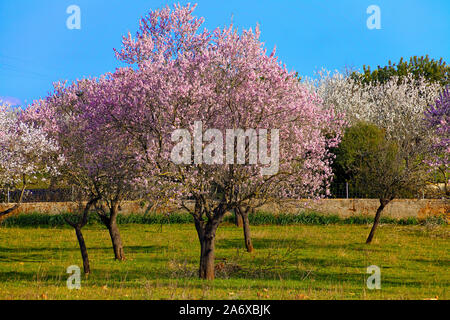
[346, 189]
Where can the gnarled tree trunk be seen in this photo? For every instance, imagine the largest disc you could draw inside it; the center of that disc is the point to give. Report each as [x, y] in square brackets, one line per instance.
[10, 210]
[116, 240]
[383, 204]
[78, 226]
[238, 218]
[110, 221]
[207, 257]
[19, 202]
[207, 234]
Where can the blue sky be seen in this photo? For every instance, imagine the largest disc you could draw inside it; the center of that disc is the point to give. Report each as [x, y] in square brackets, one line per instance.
[38, 49]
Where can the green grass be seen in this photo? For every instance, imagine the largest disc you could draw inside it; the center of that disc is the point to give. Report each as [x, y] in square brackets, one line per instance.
[290, 262]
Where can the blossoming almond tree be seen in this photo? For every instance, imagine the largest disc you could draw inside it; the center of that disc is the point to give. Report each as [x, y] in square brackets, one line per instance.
[212, 83]
[25, 152]
[99, 161]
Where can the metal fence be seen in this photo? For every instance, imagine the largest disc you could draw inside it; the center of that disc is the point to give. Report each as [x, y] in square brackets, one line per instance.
[346, 191]
[338, 191]
[48, 195]
[37, 195]
[351, 191]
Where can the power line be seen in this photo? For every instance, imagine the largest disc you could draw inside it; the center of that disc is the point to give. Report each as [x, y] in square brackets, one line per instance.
[23, 69]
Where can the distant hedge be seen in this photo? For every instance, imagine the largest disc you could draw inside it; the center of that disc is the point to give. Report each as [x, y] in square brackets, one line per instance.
[259, 218]
[312, 218]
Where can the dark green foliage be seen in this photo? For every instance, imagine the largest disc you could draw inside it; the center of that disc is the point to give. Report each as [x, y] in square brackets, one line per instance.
[45, 220]
[432, 70]
[362, 138]
[361, 144]
[259, 218]
[306, 218]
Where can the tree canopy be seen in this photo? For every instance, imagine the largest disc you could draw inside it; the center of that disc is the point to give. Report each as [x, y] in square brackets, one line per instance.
[420, 67]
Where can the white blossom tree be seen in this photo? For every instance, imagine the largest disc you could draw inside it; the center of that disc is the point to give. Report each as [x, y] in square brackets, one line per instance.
[25, 152]
[396, 106]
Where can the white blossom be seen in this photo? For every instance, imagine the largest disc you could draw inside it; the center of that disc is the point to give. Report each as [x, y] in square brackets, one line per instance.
[24, 149]
[396, 106]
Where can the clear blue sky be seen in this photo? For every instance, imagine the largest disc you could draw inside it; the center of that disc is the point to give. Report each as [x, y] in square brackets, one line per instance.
[37, 48]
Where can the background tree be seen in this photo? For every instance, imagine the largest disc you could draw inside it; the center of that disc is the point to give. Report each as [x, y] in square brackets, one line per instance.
[435, 71]
[360, 140]
[243, 213]
[395, 106]
[377, 167]
[25, 153]
[438, 120]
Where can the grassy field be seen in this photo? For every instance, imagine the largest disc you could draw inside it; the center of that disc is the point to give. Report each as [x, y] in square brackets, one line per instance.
[290, 262]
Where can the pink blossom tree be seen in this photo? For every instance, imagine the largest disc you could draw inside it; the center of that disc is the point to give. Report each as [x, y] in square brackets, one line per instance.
[210, 83]
[438, 120]
[99, 161]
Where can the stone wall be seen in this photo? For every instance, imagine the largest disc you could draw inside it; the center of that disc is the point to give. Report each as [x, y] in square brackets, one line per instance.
[398, 209]
[402, 208]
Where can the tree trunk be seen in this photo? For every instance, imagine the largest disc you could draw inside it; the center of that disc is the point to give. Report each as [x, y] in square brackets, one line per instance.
[84, 254]
[116, 240]
[10, 210]
[207, 257]
[207, 234]
[238, 218]
[19, 202]
[247, 234]
[383, 204]
[83, 220]
[110, 221]
[246, 227]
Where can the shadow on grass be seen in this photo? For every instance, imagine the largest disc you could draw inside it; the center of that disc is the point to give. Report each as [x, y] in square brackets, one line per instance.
[42, 255]
[437, 263]
[259, 243]
[25, 250]
[128, 276]
[286, 261]
[298, 244]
